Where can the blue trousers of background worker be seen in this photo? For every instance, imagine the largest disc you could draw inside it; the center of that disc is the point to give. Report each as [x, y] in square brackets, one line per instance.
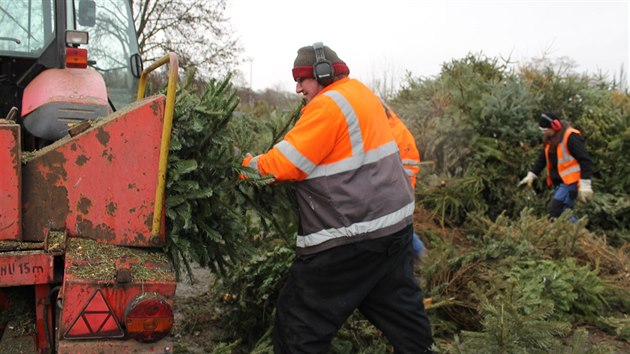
[563, 198]
[374, 276]
[418, 245]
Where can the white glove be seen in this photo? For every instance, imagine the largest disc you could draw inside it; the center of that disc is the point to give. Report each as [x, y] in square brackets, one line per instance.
[585, 192]
[529, 179]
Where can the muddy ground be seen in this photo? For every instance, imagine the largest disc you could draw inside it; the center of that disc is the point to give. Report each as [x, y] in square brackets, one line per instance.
[197, 318]
[198, 315]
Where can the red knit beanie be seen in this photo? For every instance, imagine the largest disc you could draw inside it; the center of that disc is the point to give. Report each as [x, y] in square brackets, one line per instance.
[303, 64]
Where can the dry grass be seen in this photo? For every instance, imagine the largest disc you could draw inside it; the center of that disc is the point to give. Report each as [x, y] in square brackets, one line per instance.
[93, 260]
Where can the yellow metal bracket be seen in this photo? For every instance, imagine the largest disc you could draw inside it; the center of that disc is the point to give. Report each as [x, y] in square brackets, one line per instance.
[173, 67]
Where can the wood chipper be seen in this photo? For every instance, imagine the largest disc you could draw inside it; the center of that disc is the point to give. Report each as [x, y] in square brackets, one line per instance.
[83, 160]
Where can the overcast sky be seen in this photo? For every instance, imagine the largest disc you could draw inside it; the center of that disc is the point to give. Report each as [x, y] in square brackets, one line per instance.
[379, 38]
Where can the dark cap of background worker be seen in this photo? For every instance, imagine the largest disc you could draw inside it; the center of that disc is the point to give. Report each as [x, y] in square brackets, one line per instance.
[545, 123]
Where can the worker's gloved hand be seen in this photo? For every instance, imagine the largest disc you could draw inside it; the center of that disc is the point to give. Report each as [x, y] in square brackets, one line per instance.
[529, 179]
[585, 191]
[248, 158]
[418, 247]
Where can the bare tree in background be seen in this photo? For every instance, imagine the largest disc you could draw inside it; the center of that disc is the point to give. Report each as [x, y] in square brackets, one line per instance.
[197, 30]
[385, 81]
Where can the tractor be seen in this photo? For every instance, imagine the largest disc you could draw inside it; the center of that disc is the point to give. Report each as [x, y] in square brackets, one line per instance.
[83, 158]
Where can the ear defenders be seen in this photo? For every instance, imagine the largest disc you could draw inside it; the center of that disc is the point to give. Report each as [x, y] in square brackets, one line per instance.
[323, 70]
[556, 125]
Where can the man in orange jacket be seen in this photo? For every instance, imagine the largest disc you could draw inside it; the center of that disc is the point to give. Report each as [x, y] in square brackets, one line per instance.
[410, 157]
[569, 166]
[356, 209]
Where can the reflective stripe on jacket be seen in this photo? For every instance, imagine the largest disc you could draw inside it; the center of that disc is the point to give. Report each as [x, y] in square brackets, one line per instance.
[568, 166]
[351, 183]
[407, 146]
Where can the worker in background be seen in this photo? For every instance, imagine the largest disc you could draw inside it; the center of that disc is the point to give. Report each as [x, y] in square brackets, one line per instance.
[356, 211]
[569, 166]
[410, 157]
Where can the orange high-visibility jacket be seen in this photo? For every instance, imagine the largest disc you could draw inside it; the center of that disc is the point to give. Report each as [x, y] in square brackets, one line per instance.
[406, 145]
[351, 185]
[568, 167]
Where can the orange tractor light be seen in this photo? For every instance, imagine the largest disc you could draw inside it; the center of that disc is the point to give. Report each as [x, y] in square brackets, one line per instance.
[76, 57]
[149, 318]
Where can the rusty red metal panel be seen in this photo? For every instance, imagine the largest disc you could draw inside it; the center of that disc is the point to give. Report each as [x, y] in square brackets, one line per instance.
[44, 318]
[101, 183]
[26, 268]
[91, 267]
[10, 182]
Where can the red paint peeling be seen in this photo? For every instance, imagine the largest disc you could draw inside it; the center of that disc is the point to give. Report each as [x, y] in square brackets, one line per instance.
[10, 182]
[84, 205]
[102, 136]
[82, 159]
[83, 186]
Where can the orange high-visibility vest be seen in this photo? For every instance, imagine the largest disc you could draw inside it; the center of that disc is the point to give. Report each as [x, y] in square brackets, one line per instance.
[351, 185]
[409, 153]
[568, 167]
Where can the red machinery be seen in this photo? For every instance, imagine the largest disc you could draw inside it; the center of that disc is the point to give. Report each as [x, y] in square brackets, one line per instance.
[82, 268]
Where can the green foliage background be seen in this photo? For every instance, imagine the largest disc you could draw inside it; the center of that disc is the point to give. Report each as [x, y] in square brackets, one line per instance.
[477, 123]
[502, 277]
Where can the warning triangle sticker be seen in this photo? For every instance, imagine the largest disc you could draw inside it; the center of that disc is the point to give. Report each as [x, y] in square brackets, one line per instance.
[97, 320]
[97, 303]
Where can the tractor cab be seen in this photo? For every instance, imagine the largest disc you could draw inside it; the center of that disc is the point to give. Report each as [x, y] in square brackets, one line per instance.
[65, 61]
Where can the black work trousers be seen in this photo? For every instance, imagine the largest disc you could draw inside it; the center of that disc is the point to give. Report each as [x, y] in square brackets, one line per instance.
[375, 276]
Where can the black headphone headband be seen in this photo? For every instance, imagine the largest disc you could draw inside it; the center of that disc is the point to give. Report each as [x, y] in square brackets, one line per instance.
[323, 70]
[319, 51]
[547, 118]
